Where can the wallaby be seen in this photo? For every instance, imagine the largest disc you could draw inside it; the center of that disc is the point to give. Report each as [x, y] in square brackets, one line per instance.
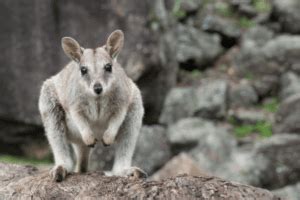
[91, 99]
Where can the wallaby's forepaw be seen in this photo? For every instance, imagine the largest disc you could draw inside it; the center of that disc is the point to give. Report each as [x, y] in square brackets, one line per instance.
[90, 141]
[58, 173]
[135, 173]
[107, 139]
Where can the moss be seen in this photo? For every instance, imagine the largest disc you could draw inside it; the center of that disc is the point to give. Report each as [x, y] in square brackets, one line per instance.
[196, 73]
[244, 130]
[249, 76]
[177, 11]
[223, 9]
[263, 128]
[245, 22]
[271, 106]
[262, 5]
[23, 160]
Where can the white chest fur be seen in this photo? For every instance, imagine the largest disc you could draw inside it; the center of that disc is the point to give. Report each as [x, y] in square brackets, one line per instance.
[95, 115]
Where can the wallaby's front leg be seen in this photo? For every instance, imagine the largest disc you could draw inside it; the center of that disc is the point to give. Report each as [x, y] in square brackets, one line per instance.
[126, 143]
[112, 130]
[54, 122]
[84, 128]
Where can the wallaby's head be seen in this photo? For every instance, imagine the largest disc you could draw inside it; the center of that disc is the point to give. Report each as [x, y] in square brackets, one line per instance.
[95, 67]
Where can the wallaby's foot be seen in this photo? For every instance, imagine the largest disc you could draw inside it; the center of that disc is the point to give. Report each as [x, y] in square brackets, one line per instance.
[135, 173]
[58, 173]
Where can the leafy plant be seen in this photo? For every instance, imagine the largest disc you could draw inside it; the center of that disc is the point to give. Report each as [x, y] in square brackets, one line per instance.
[196, 73]
[245, 22]
[249, 76]
[262, 5]
[177, 11]
[223, 9]
[244, 130]
[263, 128]
[271, 106]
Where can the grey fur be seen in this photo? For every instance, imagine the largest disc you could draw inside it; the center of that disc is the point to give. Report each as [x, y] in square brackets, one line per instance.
[73, 114]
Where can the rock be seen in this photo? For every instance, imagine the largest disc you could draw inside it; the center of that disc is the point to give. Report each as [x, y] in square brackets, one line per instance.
[191, 6]
[266, 85]
[196, 49]
[288, 116]
[282, 153]
[191, 131]
[226, 28]
[290, 192]
[18, 182]
[153, 149]
[271, 163]
[211, 99]
[180, 164]
[289, 85]
[242, 94]
[250, 116]
[179, 104]
[214, 149]
[287, 14]
[270, 58]
[207, 100]
[257, 36]
[148, 54]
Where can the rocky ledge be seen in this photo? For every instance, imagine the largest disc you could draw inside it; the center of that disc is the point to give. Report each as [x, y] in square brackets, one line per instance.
[26, 182]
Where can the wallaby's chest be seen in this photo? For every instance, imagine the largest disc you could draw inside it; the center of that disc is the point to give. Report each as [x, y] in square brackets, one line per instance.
[96, 114]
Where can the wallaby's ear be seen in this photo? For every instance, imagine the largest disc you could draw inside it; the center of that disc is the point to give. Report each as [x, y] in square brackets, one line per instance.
[115, 43]
[71, 48]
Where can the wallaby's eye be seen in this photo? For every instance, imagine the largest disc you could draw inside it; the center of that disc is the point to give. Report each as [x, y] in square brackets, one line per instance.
[83, 70]
[108, 67]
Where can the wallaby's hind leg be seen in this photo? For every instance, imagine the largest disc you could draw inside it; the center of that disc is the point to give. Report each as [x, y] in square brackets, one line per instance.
[53, 117]
[126, 142]
[82, 157]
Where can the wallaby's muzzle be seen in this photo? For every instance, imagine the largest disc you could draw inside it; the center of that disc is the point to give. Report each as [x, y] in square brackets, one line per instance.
[98, 88]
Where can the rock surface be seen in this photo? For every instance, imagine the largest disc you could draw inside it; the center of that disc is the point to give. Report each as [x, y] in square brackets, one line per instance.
[242, 94]
[209, 100]
[289, 85]
[288, 115]
[19, 182]
[287, 14]
[290, 192]
[196, 48]
[271, 163]
[180, 164]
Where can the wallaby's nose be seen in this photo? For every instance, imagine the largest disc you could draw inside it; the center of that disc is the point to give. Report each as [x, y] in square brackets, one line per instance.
[98, 88]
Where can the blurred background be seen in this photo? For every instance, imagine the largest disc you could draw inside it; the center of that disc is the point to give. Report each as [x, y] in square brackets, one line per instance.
[220, 81]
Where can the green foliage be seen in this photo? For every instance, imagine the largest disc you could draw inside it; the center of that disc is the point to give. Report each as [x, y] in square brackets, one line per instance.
[23, 160]
[196, 73]
[245, 22]
[271, 106]
[223, 9]
[249, 76]
[177, 11]
[263, 128]
[262, 5]
[244, 130]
